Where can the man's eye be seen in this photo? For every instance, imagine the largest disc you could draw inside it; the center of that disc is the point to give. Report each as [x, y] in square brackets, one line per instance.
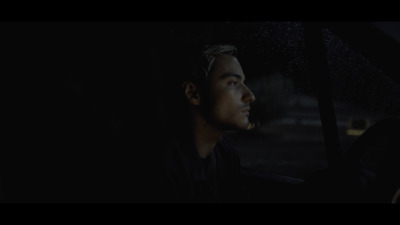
[233, 83]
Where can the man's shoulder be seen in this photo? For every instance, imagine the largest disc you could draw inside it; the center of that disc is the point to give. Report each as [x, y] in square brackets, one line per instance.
[178, 151]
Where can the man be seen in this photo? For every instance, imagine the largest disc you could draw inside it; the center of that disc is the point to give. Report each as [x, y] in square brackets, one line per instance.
[199, 163]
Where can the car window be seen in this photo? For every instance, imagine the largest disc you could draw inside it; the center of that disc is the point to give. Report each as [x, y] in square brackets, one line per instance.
[362, 93]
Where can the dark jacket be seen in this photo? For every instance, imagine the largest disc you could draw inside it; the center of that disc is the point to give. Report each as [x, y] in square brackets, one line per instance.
[186, 177]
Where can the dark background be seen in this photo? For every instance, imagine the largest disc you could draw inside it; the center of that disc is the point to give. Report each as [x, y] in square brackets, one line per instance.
[84, 101]
[82, 110]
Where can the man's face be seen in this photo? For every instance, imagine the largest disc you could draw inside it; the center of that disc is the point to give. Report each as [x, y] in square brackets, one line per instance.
[229, 98]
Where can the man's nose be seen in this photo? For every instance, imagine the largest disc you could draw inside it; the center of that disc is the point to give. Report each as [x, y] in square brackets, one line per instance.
[248, 96]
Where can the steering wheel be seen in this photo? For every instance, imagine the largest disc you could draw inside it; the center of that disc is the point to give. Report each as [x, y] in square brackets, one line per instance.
[353, 180]
[382, 143]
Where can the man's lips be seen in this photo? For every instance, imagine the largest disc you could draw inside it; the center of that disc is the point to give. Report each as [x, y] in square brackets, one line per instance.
[245, 110]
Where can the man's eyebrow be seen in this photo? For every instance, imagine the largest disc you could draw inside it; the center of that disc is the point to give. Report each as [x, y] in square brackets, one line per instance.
[226, 75]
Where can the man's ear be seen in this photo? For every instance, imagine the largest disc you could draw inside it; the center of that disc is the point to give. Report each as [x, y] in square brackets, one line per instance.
[191, 93]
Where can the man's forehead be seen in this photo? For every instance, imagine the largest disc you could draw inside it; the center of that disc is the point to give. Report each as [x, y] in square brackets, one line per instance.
[225, 58]
[227, 64]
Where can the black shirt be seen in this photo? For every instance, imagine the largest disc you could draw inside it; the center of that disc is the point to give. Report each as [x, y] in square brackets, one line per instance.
[186, 177]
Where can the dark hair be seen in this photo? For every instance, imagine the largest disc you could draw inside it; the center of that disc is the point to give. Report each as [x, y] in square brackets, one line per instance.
[206, 58]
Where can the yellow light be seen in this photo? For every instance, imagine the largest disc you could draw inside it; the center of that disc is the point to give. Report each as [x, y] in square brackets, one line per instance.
[354, 132]
[251, 126]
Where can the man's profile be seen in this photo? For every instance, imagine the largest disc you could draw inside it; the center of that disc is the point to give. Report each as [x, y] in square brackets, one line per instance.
[199, 163]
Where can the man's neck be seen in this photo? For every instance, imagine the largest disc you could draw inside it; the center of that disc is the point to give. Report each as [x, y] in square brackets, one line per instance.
[205, 136]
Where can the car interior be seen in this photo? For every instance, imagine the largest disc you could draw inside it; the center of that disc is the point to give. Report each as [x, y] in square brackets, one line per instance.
[89, 109]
